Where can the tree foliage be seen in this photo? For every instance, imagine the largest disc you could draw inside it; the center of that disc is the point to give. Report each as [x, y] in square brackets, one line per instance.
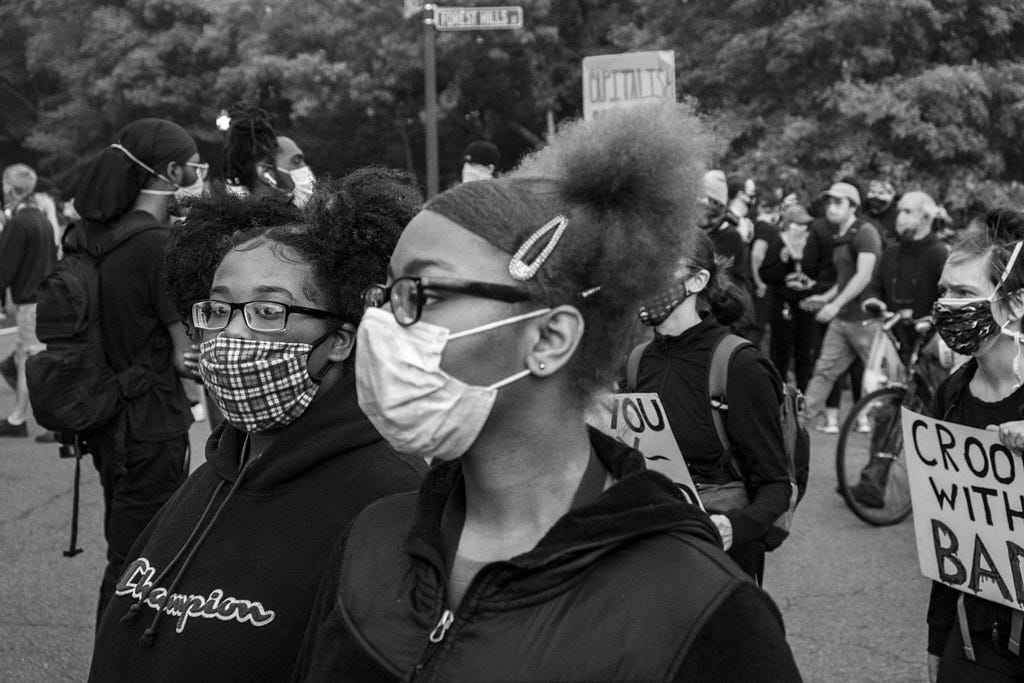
[930, 92]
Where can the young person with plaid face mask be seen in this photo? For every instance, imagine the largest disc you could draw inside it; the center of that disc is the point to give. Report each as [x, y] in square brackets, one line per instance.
[220, 586]
[979, 314]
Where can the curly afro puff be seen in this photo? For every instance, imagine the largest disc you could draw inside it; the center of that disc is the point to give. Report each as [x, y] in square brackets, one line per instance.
[628, 182]
[345, 233]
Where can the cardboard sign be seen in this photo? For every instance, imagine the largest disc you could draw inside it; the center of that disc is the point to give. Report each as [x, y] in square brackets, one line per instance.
[628, 79]
[968, 495]
[638, 420]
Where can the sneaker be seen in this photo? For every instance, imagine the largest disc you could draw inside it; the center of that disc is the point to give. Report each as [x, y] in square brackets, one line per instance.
[867, 496]
[863, 426]
[8, 429]
[829, 427]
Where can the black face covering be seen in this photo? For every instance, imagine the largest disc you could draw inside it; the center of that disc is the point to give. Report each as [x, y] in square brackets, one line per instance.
[965, 328]
[655, 312]
[876, 206]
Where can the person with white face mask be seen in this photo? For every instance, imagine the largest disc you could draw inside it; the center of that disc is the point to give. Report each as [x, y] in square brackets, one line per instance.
[260, 162]
[295, 459]
[141, 455]
[979, 314]
[503, 316]
[480, 161]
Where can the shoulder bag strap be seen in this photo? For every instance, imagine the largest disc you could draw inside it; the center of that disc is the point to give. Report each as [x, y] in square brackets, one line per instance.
[718, 382]
[633, 365]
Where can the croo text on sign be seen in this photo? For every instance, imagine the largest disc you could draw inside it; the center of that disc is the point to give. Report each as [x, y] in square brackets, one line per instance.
[967, 489]
[623, 80]
[477, 18]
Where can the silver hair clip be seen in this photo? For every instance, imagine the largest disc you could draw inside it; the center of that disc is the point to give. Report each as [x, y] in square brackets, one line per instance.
[518, 268]
[590, 292]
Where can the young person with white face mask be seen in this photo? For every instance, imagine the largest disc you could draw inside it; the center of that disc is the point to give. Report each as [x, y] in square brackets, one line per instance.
[220, 585]
[123, 200]
[260, 162]
[979, 314]
[537, 548]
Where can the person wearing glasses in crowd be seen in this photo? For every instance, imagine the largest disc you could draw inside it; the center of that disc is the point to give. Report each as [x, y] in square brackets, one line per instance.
[220, 585]
[142, 455]
[537, 548]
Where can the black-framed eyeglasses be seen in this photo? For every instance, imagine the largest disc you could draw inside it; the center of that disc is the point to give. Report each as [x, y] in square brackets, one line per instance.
[259, 316]
[408, 294]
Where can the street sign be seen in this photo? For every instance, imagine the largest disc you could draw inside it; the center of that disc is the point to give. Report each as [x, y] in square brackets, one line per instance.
[478, 18]
[412, 8]
[628, 79]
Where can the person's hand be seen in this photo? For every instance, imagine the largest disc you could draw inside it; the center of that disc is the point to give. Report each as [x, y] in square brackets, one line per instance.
[826, 313]
[933, 667]
[192, 362]
[813, 302]
[1011, 435]
[784, 255]
[760, 289]
[724, 530]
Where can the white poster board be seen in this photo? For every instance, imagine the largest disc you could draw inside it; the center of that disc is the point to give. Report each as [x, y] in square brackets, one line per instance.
[638, 420]
[627, 79]
[968, 495]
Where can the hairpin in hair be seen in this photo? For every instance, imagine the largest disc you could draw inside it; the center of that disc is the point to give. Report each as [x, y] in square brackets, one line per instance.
[589, 292]
[518, 268]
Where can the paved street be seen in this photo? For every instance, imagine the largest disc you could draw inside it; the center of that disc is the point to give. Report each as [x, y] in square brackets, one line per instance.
[851, 595]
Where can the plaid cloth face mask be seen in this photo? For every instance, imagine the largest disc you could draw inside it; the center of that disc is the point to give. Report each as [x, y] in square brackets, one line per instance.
[258, 385]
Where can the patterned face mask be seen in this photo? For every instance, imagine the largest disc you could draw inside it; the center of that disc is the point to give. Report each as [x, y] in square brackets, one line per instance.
[258, 385]
[656, 311]
[964, 324]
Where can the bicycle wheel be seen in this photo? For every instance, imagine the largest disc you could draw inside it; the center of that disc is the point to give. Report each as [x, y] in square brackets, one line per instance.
[870, 463]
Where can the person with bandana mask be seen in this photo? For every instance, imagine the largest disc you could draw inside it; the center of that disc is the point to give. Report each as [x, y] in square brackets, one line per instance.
[260, 162]
[243, 544]
[142, 455]
[979, 314]
[504, 314]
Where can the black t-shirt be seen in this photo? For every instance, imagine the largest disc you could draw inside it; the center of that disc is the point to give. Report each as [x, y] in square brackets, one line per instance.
[27, 254]
[135, 313]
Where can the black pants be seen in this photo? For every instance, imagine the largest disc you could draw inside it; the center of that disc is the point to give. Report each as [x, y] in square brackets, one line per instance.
[991, 665]
[152, 471]
[795, 340]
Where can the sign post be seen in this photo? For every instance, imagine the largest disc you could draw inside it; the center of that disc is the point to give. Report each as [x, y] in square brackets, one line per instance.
[628, 79]
[450, 19]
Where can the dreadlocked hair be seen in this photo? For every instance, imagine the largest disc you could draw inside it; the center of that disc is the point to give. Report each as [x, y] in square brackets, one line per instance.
[345, 234]
[251, 138]
[1001, 229]
[627, 182]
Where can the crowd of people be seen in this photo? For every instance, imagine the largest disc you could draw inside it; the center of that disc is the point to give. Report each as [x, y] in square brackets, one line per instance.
[401, 481]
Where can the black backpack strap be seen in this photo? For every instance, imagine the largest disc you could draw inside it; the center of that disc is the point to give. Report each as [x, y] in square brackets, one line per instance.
[718, 400]
[633, 365]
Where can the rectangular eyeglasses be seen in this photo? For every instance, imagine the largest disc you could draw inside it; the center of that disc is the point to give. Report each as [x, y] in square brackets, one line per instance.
[259, 316]
[408, 294]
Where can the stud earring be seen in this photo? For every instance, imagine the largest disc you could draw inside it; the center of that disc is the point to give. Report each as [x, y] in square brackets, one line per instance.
[541, 366]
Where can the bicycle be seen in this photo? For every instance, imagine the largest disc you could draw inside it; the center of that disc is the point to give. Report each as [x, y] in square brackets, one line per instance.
[870, 466]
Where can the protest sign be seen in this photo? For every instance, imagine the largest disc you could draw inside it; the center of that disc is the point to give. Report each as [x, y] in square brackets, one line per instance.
[638, 420]
[628, 79]
[968, 495]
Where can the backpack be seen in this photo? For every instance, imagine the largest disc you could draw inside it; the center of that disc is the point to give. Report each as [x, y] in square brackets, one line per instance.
[72, 388]
[796, 440]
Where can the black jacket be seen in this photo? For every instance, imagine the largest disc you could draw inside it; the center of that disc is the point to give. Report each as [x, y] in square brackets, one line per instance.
[908, 275]
[816, 263]
[676, 368]
[631, 586]
[260, 550]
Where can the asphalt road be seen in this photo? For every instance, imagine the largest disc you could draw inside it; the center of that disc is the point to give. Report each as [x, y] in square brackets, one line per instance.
[852, 596]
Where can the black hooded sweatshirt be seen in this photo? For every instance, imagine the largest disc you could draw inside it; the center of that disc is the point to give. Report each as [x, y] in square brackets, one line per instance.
[242, 555]
[628, 585]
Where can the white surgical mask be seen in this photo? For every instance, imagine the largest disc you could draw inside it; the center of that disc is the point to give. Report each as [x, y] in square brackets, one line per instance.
[471, 172]
[415, 405]
[303, 180]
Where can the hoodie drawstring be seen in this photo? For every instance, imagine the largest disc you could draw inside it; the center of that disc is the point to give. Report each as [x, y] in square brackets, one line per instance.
[133, 611]
[150, 633]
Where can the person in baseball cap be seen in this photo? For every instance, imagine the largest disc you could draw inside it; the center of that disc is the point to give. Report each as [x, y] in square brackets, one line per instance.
[844, 191]
[480, 161]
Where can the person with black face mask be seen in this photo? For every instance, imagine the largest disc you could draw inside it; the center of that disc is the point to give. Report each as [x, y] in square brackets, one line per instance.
[979, 314]
[882, 208]
[220, 585]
